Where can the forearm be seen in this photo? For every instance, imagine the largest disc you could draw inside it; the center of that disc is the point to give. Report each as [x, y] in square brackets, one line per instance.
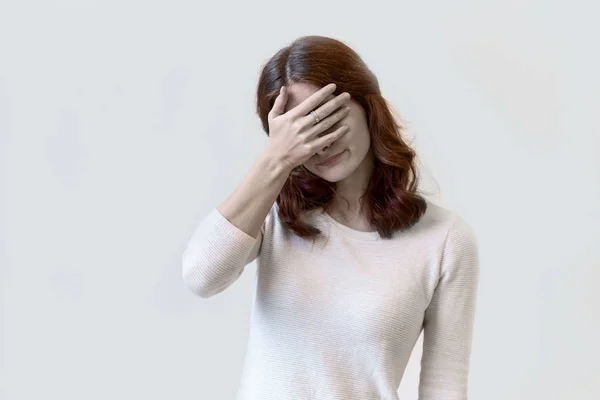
[248, 206]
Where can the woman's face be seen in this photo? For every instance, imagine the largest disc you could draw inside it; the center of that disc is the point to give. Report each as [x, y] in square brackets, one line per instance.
[338, 161]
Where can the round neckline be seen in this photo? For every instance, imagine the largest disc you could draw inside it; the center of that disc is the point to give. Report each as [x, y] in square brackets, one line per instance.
[356, 234]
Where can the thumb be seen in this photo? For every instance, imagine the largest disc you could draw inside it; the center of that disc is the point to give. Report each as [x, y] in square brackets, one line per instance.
[279, 105]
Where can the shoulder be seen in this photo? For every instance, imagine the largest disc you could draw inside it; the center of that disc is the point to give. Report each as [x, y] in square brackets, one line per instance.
[273, 225]
[272, 218]
[446, 230]
[459, 247]
[445, 221]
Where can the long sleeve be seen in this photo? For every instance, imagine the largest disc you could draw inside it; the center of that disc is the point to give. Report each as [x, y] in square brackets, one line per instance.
[449, 319]
[216, 255]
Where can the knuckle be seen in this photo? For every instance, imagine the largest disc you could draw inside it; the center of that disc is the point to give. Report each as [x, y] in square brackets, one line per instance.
[303, 139]
[295, 125]
[306, 139]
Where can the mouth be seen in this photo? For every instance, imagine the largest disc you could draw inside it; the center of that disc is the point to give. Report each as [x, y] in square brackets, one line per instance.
[331, 160]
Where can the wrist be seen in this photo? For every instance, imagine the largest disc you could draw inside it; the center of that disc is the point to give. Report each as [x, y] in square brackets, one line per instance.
[274, 164]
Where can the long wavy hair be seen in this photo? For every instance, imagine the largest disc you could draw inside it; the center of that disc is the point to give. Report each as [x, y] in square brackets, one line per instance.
[391, 202]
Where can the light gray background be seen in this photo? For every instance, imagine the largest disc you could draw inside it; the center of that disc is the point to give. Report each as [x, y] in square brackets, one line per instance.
[124, 122]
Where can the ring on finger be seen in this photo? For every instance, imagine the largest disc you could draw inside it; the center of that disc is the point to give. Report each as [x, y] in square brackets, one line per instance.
[314, 114]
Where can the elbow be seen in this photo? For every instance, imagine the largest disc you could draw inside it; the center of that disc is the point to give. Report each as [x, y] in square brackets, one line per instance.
[198, 288]
[195, 280]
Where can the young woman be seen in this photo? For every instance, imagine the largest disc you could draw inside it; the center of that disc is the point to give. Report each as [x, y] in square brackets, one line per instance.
[352, 262]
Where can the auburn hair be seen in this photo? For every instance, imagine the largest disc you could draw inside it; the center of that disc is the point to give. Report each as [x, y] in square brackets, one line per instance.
[391, 202]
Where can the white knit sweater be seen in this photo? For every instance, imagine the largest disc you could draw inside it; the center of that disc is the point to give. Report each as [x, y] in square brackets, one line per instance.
[338, 319]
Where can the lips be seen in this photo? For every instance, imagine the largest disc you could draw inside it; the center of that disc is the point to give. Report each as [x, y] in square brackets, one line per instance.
[331, 160]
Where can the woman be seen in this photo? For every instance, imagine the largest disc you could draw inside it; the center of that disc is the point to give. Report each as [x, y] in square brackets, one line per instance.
[352, 262]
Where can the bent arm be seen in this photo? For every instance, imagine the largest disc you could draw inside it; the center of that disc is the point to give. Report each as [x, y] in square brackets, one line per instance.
[230, 237]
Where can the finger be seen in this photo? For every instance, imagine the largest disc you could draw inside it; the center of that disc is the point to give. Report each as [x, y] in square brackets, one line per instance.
[326, 140]
[325, 110]
[279, 104]
[328, 122]
[312, 101]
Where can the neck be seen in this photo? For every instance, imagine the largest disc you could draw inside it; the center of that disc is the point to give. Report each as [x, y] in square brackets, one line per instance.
[350, 190]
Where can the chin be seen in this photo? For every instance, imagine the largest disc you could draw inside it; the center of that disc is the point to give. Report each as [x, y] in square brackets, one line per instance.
[333, 174]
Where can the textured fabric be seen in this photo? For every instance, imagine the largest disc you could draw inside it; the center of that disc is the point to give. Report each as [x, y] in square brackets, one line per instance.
[337, 319]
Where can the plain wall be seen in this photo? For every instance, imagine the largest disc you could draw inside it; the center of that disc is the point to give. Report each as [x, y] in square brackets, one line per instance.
[124, 123]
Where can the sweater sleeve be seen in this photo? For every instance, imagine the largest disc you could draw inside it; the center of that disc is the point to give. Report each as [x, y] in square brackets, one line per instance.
[216, 254]
[449, 319]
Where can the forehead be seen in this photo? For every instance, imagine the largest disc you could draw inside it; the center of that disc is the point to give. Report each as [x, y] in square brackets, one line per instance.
[298, 92]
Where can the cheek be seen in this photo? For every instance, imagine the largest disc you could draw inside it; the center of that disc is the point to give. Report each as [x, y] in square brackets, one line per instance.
[359, 130]
[357, 140]
[349, 138]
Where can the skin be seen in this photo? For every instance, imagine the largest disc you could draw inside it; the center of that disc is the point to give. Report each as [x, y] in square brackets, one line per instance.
[352, 170]
[296, 139]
